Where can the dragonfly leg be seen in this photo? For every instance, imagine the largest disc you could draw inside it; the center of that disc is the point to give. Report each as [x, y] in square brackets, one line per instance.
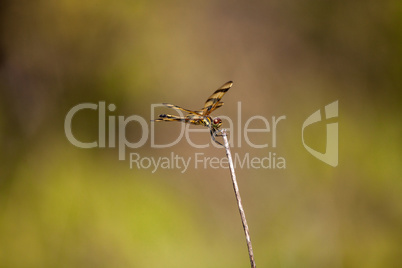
[218, 132]
[214, 133]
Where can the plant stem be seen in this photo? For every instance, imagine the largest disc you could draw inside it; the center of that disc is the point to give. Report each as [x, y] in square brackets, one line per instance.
[238, 198]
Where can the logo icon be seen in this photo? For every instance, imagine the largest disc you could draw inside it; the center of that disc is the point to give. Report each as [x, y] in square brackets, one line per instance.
[331, 153]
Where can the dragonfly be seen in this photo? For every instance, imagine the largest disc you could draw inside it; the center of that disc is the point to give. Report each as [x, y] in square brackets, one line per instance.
[202, 116]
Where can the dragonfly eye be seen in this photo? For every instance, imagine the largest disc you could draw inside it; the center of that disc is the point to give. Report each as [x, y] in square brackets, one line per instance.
[217, 122]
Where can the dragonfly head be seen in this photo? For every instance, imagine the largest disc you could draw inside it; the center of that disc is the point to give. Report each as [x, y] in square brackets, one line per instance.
[217, 122]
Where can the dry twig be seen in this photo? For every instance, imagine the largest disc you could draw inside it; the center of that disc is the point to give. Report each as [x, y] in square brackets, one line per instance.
[239, 204]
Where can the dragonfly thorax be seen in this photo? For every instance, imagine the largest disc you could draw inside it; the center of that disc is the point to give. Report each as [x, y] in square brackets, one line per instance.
[211, 123]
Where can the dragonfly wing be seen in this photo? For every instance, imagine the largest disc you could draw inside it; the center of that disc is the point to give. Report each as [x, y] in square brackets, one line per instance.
[219, 104]
[169, 117]
[180, 108]
[191, 119]
[213, 102]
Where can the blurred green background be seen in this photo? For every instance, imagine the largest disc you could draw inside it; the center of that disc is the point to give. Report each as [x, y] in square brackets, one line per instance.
[62, 206]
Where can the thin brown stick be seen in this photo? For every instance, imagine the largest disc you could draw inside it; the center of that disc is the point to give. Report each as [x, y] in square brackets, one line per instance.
[239, 204]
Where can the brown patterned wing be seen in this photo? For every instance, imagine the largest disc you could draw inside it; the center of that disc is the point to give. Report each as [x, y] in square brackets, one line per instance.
[181, 109]
[213, 102]
[190, 119]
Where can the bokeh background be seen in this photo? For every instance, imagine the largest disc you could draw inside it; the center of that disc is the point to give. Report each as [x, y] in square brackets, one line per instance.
[63, 206]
